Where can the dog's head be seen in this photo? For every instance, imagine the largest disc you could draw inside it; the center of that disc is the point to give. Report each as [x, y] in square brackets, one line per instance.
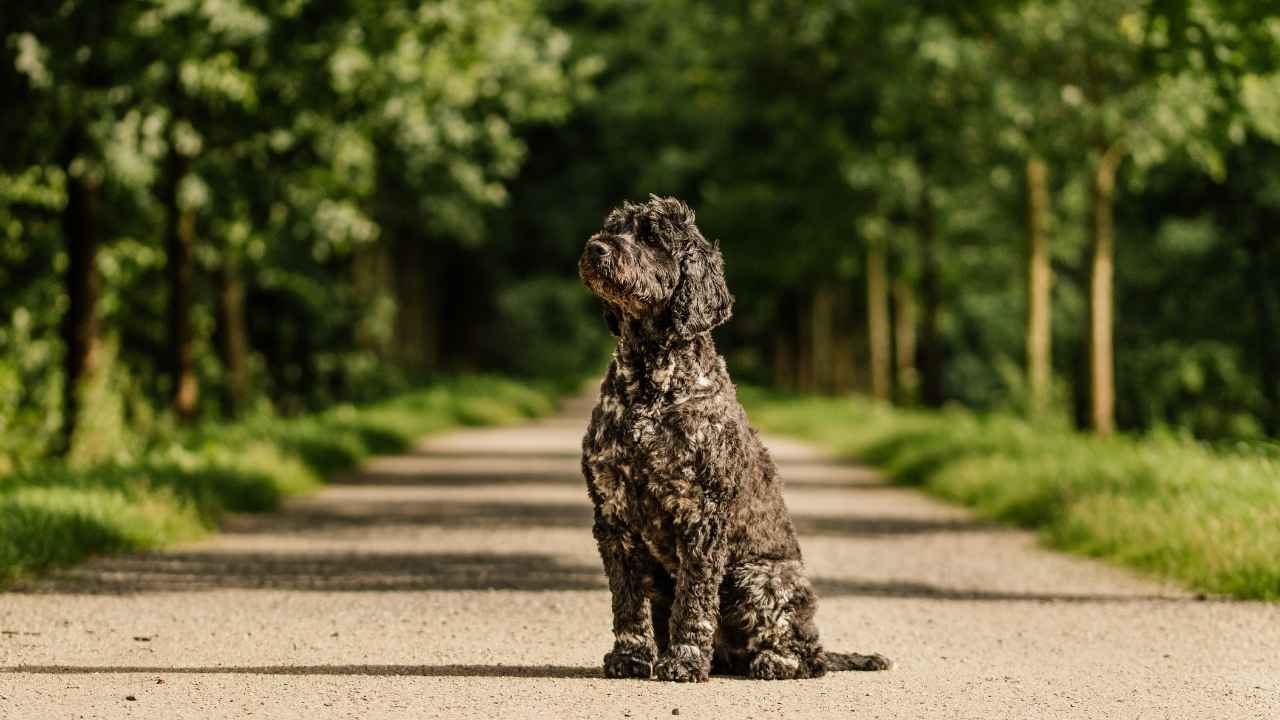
[651, 262]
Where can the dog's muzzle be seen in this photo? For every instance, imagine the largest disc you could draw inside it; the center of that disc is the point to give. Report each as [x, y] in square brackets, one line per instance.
[592, 265]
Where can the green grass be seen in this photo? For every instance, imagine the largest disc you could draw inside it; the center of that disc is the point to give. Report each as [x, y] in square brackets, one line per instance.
[1208, 518]
[54, 515]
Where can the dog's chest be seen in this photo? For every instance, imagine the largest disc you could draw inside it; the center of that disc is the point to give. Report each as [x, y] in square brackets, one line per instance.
[643, 473]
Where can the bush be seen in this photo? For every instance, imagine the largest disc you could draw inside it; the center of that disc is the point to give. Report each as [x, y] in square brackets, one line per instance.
[549, 327]
[1170, 506]
[54, 514]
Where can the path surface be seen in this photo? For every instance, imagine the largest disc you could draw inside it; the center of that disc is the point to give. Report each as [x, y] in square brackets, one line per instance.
[461, 580]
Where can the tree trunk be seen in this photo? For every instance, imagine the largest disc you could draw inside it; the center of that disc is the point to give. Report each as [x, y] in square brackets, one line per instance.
[823, 347]
[373, 280]
[1039, 284]
[416, 321]
[930, 345]
[878, 320]
[844, 358]
[180, 268]
[804, 344]
[904, 339]
[233, 337]
[785, 342]
[80, 324]
[783, 363]
[1264, 313]
[1101, 293]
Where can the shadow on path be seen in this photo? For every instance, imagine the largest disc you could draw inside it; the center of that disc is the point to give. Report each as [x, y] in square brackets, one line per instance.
[873, 526]
[842, 587]
[570, 457]
[399, 513]
[357, 515]
[490, 671]
[416, 572]
[463, 480]
[340, 572]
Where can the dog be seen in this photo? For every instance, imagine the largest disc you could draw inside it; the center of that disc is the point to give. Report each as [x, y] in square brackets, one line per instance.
[704, 568]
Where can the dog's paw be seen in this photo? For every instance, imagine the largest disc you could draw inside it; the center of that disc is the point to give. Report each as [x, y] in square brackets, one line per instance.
[768, 665]
[631, 662]
[684, 663]
[875, 662]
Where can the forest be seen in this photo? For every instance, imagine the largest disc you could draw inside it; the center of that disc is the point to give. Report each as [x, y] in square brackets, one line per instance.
[1066, 210]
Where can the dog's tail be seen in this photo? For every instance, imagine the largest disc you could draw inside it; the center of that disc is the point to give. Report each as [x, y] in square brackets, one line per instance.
[838, 661]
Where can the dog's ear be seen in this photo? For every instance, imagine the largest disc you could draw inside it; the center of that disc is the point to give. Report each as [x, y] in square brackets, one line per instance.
[613, 319]
[701, 300]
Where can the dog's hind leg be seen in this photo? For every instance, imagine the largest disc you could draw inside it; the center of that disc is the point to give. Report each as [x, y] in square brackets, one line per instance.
[767, 619]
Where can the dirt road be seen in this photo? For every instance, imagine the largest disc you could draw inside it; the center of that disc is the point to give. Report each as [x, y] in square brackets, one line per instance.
[461, 580]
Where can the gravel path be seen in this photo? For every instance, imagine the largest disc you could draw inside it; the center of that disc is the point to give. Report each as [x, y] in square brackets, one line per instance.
[461, 580]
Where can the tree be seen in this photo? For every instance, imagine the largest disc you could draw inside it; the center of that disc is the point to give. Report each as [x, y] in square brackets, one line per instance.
[878, 319]
[1039, 287]
[1113, 104]
[66, 70]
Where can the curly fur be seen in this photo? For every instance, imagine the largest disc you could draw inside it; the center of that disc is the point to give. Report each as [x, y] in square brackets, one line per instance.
[702, 559]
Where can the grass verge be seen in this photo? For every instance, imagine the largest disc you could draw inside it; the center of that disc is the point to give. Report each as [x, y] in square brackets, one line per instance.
[53, 515]
[1208, 518]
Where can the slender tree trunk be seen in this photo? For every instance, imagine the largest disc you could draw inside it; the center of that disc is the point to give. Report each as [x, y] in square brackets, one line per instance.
[784, 343]
[823, 347]
[930, 345]
[904, 339]
[804, 344]
[373, 280]
[1264, 313]
[180, 268]
[783, 362]
[844, 370]
[1039, 284]
[878, 320]
[80, 324]
[1101, 293]
[1080, 385]
[233, 336]
[416, 321]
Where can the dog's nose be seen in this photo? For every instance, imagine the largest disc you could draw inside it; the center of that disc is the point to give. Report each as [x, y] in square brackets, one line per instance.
[597, 250]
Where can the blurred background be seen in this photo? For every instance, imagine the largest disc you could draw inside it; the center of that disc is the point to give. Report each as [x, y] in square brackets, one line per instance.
[1067, 210]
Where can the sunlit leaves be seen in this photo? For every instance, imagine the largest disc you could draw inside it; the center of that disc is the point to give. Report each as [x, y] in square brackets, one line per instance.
[134, 147]
[1260, 97]
[231, 19]
[31, 59]
[219, 79]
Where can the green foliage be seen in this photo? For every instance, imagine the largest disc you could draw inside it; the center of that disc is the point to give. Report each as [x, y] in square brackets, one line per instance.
[401, 188]
[298, 137]
[53, 514]
[802, 132]
[29, 387]
[1162, 504]
[548, 327]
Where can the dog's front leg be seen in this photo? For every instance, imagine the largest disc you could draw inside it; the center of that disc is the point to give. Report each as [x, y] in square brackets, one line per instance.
[627, 566]
[702, 551]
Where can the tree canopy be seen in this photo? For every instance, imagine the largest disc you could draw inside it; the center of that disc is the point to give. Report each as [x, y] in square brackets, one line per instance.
[1062, 207]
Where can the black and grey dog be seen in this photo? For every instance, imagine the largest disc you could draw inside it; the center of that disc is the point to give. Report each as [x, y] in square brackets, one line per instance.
[701, 555]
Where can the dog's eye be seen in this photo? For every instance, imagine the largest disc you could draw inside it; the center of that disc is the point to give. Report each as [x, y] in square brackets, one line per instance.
[648, 237]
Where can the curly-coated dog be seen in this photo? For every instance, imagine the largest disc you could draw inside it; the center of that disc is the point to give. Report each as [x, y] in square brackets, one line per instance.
[702, 558]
